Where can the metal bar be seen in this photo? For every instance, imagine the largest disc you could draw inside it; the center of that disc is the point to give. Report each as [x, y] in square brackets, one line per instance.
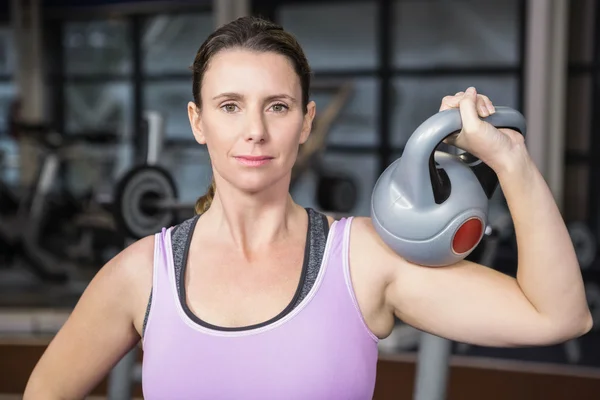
[155, 136]
[522, 54]
[120, 380]
[433, 365]
[557, 106]
[537, 89]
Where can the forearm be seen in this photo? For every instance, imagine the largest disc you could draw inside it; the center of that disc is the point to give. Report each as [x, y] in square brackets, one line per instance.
[548, 270]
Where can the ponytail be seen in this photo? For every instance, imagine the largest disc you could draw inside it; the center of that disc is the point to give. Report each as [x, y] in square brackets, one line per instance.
[204, 202]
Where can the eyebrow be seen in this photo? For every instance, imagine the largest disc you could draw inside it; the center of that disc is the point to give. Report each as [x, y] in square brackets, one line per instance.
[238, 96]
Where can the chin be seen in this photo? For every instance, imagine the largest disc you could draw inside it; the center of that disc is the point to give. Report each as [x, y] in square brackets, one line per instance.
[254, 183]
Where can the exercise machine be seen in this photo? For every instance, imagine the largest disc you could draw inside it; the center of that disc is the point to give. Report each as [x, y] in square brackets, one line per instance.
[23, 218]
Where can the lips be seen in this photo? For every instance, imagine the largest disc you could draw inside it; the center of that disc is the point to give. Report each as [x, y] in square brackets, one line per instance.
[253, 161]
[254, 158]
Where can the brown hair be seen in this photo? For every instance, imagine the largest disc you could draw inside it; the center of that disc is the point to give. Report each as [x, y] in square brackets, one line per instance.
[256, 34]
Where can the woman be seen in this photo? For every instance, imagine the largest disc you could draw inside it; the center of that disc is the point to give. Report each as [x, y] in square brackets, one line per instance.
[257, 297]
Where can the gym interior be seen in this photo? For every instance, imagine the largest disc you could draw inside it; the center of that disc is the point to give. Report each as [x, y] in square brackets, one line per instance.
[93, 91]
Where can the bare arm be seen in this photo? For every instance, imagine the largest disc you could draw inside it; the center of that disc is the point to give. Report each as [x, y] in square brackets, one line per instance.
[471, 303]
[468, 302]
[99, 331]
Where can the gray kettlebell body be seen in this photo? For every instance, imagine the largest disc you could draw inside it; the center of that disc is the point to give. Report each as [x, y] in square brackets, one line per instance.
[429, 206]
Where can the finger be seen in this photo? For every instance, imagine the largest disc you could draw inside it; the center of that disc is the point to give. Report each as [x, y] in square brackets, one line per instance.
[488, 104]
[482, 108]
[468, 111]
[449, 102]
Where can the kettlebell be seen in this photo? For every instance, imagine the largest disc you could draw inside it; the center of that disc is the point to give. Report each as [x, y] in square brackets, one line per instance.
[430, 207]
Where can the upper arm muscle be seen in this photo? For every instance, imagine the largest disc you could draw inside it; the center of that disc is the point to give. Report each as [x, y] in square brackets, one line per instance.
[100, 329]
[465, 302]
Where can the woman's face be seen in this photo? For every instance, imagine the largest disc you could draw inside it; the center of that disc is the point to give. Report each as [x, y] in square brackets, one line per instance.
[251, 118]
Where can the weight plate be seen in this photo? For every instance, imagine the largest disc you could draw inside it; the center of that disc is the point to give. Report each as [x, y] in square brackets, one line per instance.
[584, 242]
[139, 184]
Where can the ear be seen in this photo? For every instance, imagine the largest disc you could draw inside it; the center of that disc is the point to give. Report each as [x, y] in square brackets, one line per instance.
[309, 117]
[196, 122]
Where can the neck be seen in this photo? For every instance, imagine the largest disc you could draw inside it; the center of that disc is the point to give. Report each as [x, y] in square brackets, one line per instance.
[254, 220]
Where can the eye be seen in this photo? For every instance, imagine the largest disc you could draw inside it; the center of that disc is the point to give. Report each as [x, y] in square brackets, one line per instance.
[279, 107]
[229, 107]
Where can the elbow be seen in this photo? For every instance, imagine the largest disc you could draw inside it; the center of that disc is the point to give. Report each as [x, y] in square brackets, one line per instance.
[572, 328]
[584, 324]
[588, 323]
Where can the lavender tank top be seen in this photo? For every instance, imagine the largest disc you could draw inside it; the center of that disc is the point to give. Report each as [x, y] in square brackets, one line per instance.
[319, 349]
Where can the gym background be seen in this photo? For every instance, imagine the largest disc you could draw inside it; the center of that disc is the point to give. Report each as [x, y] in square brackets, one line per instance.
[89, 89]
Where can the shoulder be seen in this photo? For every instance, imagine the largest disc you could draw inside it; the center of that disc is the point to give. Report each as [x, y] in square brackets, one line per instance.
[366, 239]
[128, 276]
[368, 251]
[136, 256]
[363, 237]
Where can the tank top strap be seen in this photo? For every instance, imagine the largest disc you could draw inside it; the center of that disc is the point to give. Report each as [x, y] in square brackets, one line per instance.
[339, 232]
[337, 285]
[162, 295]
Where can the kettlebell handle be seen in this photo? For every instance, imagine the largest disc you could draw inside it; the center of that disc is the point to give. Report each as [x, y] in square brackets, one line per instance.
[417, 164]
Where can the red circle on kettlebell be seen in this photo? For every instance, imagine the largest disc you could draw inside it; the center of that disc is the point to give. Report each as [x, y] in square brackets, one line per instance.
[467, 236]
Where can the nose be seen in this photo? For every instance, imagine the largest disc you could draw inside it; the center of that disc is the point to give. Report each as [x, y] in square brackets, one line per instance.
[256, 128]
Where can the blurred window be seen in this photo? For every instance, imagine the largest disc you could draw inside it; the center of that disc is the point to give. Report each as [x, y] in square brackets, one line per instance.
[334, 36]
[99, 106]
[97, 47]
[170, 42]
[7, 51]
[170, 98]
[467, 33]
[7, 94]
[357, 123]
